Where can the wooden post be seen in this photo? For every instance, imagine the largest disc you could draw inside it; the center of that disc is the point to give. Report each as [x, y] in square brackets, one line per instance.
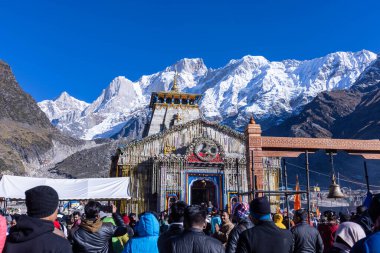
[286, 195]
[308, 184]
[237, 178]
[253, 179]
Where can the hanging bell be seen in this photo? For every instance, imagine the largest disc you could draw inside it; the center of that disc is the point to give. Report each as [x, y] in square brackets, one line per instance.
[334, 190]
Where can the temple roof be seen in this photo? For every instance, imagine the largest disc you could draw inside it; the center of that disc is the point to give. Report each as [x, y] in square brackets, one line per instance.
[175, 128]
[173, 93]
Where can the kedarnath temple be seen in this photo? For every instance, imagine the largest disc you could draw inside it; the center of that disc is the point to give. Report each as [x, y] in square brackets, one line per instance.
[183, 157]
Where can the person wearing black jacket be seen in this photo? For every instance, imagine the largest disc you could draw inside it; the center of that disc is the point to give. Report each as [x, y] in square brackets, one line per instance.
[177, 211]
[95, 236]
[240, 216]
[35, 232]
[363, 219]
[193, 240]
[306, 238]
[265, 236]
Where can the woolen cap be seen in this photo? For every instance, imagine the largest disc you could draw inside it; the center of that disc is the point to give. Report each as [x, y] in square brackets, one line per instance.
[41, 201]
[260, 206]
[241, 210]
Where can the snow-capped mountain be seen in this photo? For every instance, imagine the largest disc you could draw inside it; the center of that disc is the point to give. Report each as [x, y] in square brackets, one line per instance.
[64, 108]
[272, 91]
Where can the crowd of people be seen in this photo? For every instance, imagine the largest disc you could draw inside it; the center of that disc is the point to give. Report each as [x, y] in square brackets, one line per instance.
[185, 228]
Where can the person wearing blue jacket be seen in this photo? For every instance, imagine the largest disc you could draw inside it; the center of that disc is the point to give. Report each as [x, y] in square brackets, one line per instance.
[215, 219]
[147, 229]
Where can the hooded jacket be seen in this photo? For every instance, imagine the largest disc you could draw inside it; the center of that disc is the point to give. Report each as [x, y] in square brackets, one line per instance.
[147, 230]
[369, 244]
[95, 235]
[349, 233]
[33, 235]
[277, 218]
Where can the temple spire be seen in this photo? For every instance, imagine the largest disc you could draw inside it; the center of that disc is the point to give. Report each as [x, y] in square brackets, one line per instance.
[175, 87]
[252, 120]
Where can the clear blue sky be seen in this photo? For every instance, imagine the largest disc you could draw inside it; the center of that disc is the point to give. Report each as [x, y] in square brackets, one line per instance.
[80, 46]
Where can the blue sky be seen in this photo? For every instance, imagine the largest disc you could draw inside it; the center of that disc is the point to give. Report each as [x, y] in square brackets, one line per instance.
[80, 46]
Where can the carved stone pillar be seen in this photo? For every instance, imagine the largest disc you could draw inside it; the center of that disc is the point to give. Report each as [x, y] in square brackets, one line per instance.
[254, 152]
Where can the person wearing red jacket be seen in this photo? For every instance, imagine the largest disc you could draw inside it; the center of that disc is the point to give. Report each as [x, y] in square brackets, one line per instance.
[3, 232]
[328, 230]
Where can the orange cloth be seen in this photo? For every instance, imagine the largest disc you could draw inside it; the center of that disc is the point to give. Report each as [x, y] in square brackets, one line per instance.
[297, 198]
[317, 212]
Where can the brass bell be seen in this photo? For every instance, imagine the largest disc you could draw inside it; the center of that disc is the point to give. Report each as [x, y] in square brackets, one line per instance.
[334, 190]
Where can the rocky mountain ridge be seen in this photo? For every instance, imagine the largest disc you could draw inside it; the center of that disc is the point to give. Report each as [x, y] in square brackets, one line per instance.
[29, 144]
[329, 113]
[353, 113]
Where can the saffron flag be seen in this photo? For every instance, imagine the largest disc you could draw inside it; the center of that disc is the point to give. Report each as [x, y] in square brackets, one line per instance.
[297, 197]
[317, 212]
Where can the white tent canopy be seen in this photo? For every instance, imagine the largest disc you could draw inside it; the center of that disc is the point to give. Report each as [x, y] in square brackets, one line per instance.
[14, 187]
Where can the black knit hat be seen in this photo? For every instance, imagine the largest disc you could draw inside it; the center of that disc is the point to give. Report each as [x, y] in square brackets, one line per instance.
[301, 213]
[260, 206]
[41, 201]
[374, 207]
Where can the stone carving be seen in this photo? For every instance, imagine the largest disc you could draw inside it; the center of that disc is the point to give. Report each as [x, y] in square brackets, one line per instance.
[206, 150]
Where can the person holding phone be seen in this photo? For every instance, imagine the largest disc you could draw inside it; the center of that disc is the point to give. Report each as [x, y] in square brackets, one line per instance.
[93, 234]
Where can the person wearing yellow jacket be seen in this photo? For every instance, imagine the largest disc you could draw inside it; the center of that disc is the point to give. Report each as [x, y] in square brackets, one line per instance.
[277, 218]
[117, 242]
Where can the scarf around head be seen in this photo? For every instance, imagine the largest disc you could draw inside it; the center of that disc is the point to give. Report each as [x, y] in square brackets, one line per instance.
[350, 233]
[241, 210]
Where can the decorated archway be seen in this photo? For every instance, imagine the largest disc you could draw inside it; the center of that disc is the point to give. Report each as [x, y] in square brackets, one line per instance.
[203, 188]
[203, 191]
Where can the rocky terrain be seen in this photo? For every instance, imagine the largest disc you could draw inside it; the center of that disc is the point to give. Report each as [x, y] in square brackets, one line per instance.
[29, 144]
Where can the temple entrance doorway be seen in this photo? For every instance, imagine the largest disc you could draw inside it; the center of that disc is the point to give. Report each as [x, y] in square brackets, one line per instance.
[203, 191]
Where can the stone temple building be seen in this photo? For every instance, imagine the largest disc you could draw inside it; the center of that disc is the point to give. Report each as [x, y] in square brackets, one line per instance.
[182, 157]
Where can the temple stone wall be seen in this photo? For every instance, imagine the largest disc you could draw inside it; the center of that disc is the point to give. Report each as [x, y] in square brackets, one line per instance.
[177, 139]
[165, 116]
